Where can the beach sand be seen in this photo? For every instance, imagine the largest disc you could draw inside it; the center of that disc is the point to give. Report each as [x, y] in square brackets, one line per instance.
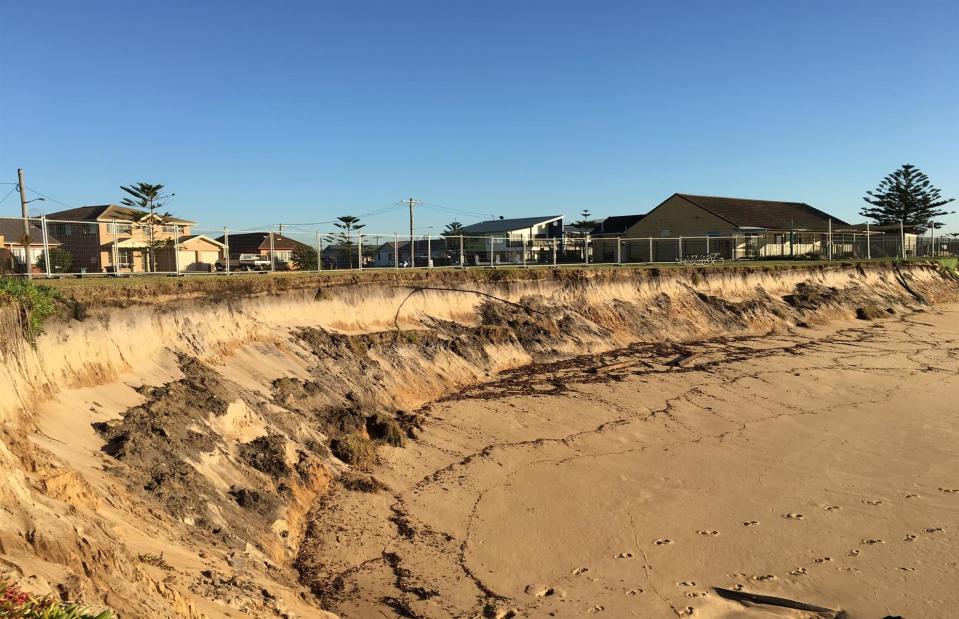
[820, 466]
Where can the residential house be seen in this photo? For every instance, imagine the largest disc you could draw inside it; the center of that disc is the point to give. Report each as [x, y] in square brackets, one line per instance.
[112, 238]
[510, 241]
[270, 245]
[442, 252]
[13, 255]
[604, 236]
[762, 227]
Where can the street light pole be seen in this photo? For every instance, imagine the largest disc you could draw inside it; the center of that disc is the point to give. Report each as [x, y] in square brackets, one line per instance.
[26, 224]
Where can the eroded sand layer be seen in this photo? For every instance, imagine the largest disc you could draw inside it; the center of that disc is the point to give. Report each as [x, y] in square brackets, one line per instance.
[819, 466]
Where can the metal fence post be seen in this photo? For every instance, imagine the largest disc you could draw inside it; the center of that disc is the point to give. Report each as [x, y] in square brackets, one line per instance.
[829, 237]
[176, 247]
[524, 252]
[226, 250]
[619, 251]
[680, 248]
[902, 239]
[272, 253]
[462, 253]
[319, 251]
[114, 252]
[707, 245]
[868, 244]
[554, 243]
[46, 243]
[396, 251]
[490, 251]
[429, 252]
[586, 249]
[359, 251]
[651, 249]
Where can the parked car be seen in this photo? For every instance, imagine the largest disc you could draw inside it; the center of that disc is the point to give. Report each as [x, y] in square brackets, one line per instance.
[245, 262]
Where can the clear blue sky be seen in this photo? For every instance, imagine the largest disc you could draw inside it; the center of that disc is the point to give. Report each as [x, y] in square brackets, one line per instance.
[265, 112]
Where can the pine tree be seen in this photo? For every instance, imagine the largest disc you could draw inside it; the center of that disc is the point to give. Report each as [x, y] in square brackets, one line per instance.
[453, 228]
[908, 196]
[344, 240]
[586, 223]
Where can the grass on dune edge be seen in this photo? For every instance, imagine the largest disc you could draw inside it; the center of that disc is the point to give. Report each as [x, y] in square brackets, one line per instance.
[101, 290]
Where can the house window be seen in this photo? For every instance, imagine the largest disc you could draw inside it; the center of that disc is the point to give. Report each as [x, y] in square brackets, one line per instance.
[124, 228]
[125, 258]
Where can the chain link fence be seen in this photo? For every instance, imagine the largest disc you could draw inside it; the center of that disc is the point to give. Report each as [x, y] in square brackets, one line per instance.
[55, 248]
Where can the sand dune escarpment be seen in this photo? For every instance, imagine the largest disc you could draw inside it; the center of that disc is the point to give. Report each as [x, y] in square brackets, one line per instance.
[398, 443]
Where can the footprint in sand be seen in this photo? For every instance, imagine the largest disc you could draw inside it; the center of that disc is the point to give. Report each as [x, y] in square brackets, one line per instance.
[909, 538]
[793, 516]
[949, 490]
[908, 569]
[751, 523]
[822, 559]
[852, 553]
[686, 583]
[710, 533]
[580, 570]
[632, 592]
[624, 555]
[870, 542]
[872, 501]
[911, 495]
[764, 577]
[544, 591]
[935, 530]
[663, 542]
[596, 609]
[697, 594]
[686, 612]
[831, 508]
[799, 571]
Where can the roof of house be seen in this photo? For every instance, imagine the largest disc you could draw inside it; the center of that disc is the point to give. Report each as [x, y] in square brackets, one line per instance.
[764, 214]
[253, 242]
[616, 224]
[11, 229]
[507, 225]
[106, 212]
[199, 237]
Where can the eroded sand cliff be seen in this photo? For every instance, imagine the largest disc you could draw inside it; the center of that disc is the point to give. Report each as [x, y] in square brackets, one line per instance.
[221, 447]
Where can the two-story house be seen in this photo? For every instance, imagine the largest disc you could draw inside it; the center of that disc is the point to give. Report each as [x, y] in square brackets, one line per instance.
[117, 239]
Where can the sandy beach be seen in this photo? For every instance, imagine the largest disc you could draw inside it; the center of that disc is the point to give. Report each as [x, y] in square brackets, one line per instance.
[818, 466]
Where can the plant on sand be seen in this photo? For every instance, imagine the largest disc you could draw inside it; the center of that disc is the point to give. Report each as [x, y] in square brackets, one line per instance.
[36, 302]
[17, 604]
[355, 450]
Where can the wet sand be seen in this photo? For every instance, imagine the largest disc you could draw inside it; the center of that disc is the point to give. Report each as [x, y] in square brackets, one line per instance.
[820, 466]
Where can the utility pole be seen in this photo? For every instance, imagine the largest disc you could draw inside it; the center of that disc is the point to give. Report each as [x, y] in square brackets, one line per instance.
[412, 240]
[26, 223]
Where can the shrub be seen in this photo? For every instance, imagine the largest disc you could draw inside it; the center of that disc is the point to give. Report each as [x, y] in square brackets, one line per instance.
[60, 261]
[37, 302]
[354, 450]
[17, 604]
[382, 428]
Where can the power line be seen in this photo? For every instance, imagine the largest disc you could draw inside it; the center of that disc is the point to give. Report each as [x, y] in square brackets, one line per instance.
[12, 189]
[48, 197]
[458, 213]
[454, 210]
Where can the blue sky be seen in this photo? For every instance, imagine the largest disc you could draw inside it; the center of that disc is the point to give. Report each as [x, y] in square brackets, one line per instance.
[286, 112]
